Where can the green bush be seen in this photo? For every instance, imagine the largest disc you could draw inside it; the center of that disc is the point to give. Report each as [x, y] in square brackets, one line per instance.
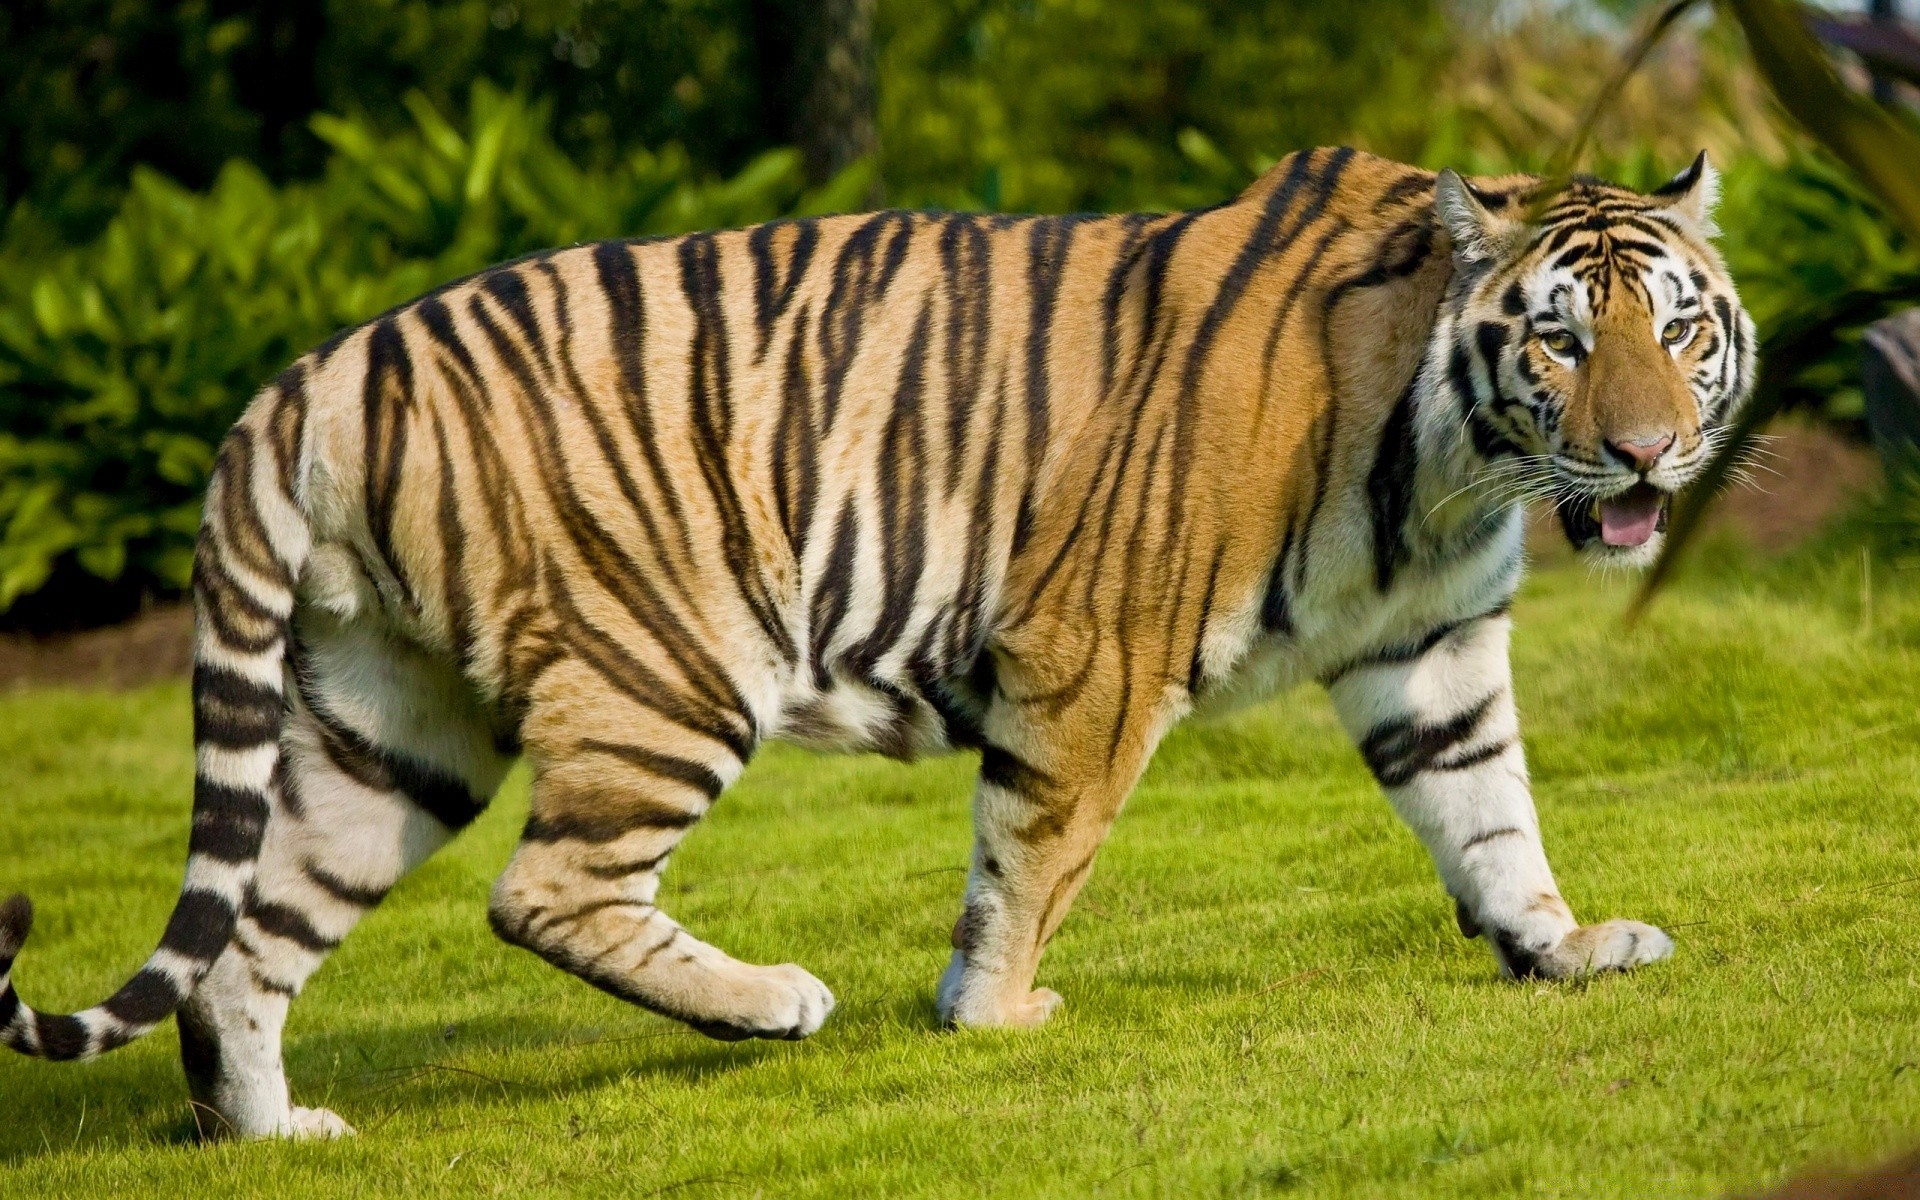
[122, 362]
[1057, 105]
[1817, 260]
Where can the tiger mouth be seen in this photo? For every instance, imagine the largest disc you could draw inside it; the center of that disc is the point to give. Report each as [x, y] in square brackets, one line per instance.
[1619, 522]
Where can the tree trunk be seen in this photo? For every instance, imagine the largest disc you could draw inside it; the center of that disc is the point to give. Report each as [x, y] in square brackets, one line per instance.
[816, 60]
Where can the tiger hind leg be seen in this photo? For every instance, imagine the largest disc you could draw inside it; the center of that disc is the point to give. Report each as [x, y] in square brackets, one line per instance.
[617, 784]
[386, 758]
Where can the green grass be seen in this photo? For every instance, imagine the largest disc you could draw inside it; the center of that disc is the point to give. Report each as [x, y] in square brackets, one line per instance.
[1265, 992]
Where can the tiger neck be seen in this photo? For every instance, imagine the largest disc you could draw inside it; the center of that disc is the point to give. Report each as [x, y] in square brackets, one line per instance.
[1457, 490]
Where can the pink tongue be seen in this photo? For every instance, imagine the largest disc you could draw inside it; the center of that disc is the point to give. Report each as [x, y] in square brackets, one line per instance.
[1630, 519]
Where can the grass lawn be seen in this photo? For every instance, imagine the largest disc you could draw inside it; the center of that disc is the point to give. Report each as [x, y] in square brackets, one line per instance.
[1265, 991]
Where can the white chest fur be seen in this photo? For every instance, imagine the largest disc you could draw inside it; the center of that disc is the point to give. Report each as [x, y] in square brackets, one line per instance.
[1340, 616]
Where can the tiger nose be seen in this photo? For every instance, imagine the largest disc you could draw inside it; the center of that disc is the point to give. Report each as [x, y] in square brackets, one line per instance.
[1642, 453]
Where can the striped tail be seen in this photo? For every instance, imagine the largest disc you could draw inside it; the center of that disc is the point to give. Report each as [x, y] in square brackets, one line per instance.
[253, 541]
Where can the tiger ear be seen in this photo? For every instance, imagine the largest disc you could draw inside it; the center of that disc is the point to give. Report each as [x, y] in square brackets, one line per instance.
[1692, 195]
[1478, 232]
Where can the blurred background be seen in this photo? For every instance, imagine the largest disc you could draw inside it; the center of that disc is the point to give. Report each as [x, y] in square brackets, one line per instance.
[196, 191]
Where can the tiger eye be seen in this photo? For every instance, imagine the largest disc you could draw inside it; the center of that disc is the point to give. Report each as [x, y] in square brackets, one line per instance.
[1675, 331]
[1559, 341]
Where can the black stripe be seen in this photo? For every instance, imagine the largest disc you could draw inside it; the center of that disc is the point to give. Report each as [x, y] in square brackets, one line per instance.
[964, 259]
[221, 602]
[1469, 759]
[1049, 242]
[1521, 962]
[843, 316]
[146, 998]
[833, 596]
[1482, 838]
[453, 555]
[901, 504]
[1276, 615]
[1194, 664]
[1390, 488]
[1255, 251]
[1003, 769]
[16, 922]
[444, 796]
[387, 396]
[698, 776]
[232, 711]
[61, 1038]
[1399, 749]
[1404, 188]
[627, 332]
[635, 813]
[596, 906]
[509, 291]
[613, 662]
[1406, 652]
[1490, 339]
[199, 1056]
[795, 471]
[266, 984]
[242, 533]
[286, 922]
[625, 870]
[200, 927]
[773, 284]
[358, 895]
[228, 823]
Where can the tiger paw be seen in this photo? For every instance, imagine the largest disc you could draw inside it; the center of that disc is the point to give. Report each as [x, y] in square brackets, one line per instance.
[972, 1000]
[318, 1124]
[784, 1003]
[1608, 946]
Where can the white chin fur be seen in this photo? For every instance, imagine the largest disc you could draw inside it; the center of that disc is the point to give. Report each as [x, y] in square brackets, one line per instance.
[1632, 558]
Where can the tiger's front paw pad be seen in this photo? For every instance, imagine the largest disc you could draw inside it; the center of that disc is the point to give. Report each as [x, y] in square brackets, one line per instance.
[1609, 946]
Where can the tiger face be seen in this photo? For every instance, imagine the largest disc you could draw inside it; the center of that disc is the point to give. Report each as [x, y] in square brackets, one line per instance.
[1602, 345]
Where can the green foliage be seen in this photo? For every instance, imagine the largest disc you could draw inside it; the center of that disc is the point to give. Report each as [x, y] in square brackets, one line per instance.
[123, 361]
[91, 89]
[1055, 105]
[1813, 251]
[1009, 104]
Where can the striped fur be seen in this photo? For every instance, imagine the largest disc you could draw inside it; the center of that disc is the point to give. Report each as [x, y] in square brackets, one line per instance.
[904, 482]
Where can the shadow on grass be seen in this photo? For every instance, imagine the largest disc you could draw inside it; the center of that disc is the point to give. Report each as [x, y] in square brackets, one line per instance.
[377, 1073]
[124, 1102]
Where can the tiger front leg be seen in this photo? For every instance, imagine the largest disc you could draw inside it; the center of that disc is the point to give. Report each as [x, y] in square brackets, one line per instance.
[1440, 734]
[1047, 795]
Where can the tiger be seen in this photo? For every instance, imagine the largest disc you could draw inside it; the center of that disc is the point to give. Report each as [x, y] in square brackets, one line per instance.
[1036, 487]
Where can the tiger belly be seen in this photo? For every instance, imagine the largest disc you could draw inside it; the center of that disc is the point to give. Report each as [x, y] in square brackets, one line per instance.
[857, 717]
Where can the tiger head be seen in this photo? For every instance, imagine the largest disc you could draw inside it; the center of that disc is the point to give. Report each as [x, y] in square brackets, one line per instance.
[1598, 346]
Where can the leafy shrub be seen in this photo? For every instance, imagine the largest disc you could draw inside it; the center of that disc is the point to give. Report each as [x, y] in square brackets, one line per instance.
[1055, 105]
[122, 362]
[1817, 260]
